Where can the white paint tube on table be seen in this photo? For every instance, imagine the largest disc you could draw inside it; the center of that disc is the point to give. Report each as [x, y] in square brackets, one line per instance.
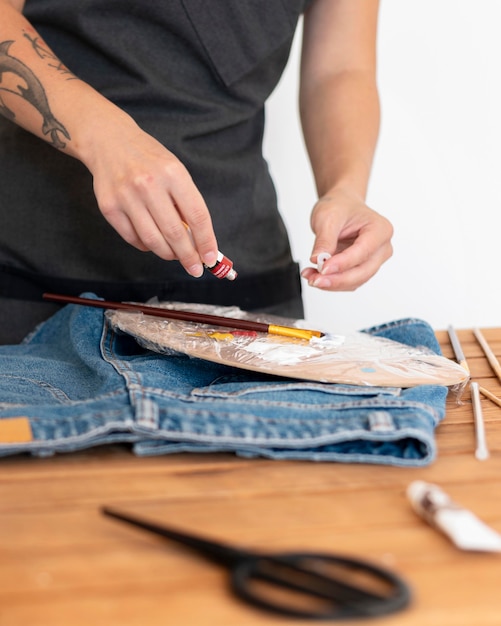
[460, 525]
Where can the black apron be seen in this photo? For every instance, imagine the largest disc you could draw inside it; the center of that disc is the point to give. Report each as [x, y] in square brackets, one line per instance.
[195, 75]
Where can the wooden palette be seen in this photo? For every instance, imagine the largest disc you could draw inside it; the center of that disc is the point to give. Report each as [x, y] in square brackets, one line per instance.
[356, 358]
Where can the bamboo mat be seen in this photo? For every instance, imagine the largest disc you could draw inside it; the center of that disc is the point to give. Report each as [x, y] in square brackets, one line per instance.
[63, 564]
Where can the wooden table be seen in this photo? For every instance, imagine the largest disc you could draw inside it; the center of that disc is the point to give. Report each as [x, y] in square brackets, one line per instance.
[63, 564]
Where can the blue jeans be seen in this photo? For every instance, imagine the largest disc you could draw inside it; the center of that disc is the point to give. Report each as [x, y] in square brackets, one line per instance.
[76, 382]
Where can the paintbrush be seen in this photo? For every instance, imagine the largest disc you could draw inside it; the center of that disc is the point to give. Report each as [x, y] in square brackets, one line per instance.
[481, 452]
[190, 316]
[456, 346]
[491, 357]
[491, 396]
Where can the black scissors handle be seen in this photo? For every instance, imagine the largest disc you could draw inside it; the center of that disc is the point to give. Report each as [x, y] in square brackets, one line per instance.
[356, 589]
[315, 586]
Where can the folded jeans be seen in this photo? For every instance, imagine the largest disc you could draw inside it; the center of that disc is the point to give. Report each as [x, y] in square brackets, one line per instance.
[76, 382]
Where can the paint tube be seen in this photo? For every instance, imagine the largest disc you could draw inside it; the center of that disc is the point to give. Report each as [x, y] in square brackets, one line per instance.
[223, 267]
[322, 257]
[460, 525]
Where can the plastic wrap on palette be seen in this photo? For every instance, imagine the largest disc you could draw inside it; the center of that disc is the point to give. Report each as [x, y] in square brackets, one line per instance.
[356, 358]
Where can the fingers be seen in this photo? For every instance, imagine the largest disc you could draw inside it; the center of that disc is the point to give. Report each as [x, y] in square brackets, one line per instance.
[139, 219]
[358, 242]
[338, 274]
[149, 203]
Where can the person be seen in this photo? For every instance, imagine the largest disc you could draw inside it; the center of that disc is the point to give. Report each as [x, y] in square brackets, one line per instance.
[161, 106]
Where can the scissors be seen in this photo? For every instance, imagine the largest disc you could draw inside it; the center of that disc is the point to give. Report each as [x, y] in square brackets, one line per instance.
[315, 586]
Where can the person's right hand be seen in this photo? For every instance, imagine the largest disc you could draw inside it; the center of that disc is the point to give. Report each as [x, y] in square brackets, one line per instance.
[141, 188]
[146, 194]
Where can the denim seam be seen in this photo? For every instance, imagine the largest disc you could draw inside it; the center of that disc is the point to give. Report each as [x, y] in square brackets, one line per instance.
[303, 442]
[332, 391]
[66, 442]
[397, 404]
[428, 453]
[295, 454]
[212, 397]
[255, 420]
[123, 368]
[326, 388]
[70, 404]
[57, 393]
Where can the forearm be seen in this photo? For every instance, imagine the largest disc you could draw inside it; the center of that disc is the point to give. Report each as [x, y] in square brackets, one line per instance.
[339, 102]
[340, 118]
[341, 124]
[39, 93]
[339, 107]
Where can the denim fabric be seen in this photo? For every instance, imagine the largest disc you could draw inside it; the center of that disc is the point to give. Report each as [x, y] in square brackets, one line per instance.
[78, 383]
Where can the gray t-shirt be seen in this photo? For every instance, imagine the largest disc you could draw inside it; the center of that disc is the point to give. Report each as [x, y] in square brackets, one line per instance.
[195, 74]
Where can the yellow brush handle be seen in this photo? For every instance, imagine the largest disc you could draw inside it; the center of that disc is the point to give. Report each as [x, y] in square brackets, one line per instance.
[298, 333]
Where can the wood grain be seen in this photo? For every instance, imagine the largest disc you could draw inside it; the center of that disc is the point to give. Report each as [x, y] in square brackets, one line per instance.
[63, 564]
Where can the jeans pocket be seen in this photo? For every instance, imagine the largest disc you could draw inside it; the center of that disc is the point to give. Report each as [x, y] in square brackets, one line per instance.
[273, 389]
[22, 390]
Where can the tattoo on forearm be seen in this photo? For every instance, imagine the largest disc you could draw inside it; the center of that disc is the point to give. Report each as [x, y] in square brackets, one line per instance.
[41, 48]
[33, 92]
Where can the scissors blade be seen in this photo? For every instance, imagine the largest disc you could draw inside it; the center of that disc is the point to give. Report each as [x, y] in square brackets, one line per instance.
[216, 551]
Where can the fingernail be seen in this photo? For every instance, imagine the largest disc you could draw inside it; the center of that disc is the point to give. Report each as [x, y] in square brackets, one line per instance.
[320, 281]
[210, 259]
[196, 270]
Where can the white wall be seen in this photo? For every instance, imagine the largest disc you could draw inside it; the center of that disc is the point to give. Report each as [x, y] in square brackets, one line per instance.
[436, 174]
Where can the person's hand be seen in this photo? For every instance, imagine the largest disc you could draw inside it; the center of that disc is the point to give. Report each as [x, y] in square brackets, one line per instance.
[356, 237]
[146, 194]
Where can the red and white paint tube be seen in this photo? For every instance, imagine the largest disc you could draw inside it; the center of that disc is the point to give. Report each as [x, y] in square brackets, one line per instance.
[223, 267]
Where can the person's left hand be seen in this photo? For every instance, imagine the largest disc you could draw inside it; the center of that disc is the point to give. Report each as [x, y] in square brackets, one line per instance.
[357, 238]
